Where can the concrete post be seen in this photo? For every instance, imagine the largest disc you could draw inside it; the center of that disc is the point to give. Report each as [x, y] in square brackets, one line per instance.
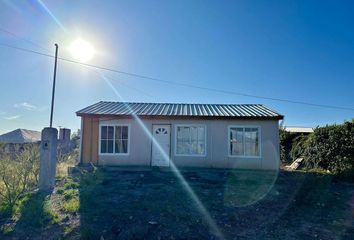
[48, 159]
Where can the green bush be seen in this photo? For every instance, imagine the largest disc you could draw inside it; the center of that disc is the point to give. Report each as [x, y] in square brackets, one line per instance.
[18, 175]
[299, 146]
[292, 145]
[332, 148]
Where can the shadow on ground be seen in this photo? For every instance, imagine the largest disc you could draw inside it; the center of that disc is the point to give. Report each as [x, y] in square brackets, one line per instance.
[31, 217]
[118, 204]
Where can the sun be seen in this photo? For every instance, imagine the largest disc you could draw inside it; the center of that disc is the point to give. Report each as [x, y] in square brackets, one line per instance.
[81, 50]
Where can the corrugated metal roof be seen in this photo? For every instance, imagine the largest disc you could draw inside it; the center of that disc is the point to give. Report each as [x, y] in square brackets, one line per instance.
[180, 110]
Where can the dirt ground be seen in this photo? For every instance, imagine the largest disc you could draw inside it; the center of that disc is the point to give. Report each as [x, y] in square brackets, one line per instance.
[196, 204]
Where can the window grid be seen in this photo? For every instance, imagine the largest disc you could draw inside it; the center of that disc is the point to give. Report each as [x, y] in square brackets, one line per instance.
[244, 130]
[195, 146]
[114, 139]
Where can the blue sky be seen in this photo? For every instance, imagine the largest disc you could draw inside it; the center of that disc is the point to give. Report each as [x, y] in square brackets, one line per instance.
[297, 50]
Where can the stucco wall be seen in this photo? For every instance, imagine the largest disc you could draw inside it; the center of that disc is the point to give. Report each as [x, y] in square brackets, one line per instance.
[216, 146]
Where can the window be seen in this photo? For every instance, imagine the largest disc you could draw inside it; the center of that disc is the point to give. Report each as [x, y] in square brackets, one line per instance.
[244, 141]
[114, 139]
[190, 140]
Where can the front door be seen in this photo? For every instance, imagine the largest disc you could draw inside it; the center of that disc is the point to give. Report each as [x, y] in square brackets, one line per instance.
[161, 145]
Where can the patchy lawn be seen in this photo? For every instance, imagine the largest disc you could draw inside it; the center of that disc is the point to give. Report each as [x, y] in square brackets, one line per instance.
[116, 204]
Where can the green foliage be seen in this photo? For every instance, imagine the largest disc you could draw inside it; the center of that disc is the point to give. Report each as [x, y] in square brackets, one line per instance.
[70, 194]
[291, 145]
[72, 206]
[18, 175]
[71, 184]
[299, 144]
[332, 148]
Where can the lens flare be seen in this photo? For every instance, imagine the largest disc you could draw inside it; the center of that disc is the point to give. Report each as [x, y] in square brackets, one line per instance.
[213, 227]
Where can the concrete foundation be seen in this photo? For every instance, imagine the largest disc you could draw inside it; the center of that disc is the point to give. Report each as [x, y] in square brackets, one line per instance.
[48, 159]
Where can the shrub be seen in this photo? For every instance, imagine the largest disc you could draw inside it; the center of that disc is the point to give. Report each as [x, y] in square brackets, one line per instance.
[18, 175]
[292, 145]
[332, 148]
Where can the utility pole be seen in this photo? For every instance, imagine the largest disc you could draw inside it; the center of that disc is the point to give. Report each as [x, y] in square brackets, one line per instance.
[53, 90]
[49, 144]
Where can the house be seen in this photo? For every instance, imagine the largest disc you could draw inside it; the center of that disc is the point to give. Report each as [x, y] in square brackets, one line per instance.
[16, 140]
[186, 135]
[21, 136]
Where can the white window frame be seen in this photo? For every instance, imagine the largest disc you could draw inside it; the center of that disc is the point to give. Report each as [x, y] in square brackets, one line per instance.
[244, 156]
[205, 139]
[114, 134]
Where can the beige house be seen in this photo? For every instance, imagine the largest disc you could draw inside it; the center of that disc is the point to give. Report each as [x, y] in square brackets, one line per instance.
[184, 135]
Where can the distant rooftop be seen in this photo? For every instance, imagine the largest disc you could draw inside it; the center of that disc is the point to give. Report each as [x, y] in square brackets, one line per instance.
[180, 110]
[21, 136]
[299, 129]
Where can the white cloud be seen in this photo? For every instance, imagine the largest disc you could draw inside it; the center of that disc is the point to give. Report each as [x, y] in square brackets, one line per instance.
[25, 105]
[12, 117]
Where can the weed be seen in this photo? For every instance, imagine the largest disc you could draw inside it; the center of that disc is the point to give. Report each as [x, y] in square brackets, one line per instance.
[70, 194]
[72, 206]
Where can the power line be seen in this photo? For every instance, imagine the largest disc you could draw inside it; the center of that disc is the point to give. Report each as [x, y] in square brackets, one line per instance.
[181, 84]
[23, 39]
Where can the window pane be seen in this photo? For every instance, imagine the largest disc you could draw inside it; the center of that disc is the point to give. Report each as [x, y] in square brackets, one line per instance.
[194, 134]
[124, 132]
[201, 149]
[109, 146]
[236, 141]
[194, 147]
[251, 142]
[116, 146]
[185, 134]
[201, 134]
[118, 132]
[125, 146]
[103, 146]
[110, 133]
[103, 132]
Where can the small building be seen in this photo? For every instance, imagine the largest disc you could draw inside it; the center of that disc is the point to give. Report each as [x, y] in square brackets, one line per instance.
[16, 140]
[184, 135]
[295, 129]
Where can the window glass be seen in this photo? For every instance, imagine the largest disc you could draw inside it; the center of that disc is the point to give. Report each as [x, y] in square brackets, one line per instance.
[244, 141]
[114, 139]
[190, 140]
[104, 132]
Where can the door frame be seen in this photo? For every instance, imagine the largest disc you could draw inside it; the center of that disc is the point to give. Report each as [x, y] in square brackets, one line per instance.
[152, 143]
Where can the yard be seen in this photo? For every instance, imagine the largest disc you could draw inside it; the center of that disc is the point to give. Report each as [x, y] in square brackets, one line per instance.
[117, 204]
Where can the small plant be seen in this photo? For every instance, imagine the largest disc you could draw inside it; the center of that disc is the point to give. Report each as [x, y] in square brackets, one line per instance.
[6, 229]
[70, 184]
[70, 194]
[72, 206]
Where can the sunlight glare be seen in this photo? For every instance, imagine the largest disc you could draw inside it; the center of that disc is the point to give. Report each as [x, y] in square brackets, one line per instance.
[81, 50]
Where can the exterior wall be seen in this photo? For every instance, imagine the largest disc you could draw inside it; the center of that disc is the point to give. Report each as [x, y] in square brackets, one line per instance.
[89, 140]
[217, 148]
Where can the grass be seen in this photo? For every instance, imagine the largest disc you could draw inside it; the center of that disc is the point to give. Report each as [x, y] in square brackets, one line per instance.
[72, 205]
[142, 205]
